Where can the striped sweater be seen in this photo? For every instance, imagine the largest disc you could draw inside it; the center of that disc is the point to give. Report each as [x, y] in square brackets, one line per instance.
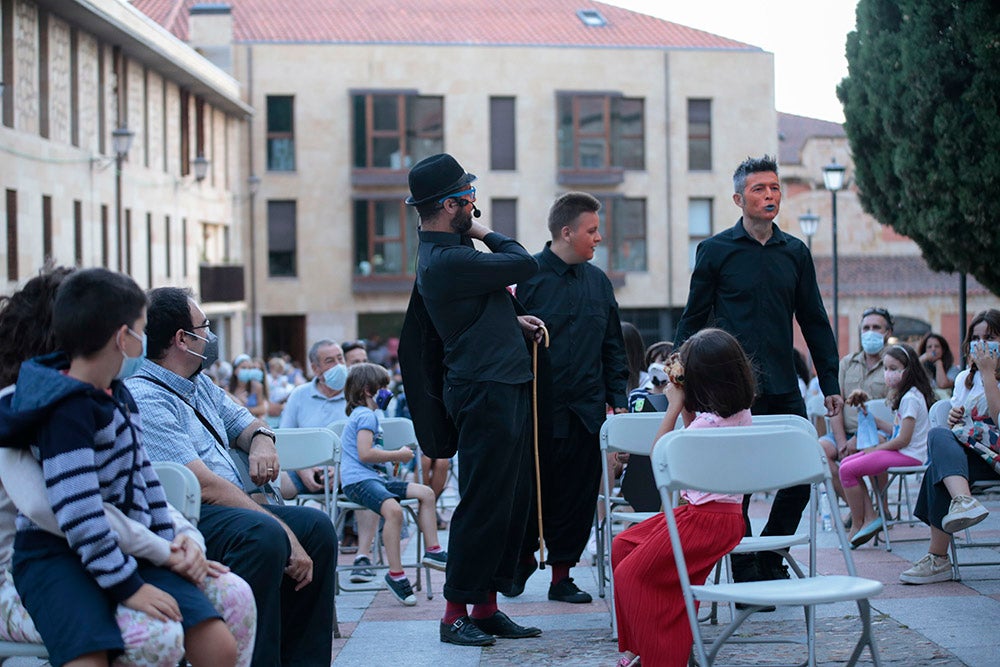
[89, 444]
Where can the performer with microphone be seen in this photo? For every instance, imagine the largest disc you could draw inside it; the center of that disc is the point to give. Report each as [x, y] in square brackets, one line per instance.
[465, 363]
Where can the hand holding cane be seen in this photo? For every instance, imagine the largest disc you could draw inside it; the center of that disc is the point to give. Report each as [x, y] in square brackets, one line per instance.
[534, 415]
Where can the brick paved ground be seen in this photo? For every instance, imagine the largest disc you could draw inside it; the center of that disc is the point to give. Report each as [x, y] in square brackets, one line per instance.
[914, 625]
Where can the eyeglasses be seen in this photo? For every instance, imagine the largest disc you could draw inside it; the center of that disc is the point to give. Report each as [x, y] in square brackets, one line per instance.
[206, 325]
[881, 312]
[471, 192]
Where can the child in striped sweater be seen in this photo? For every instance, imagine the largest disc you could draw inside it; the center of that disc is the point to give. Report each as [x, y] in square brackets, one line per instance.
[83, 426]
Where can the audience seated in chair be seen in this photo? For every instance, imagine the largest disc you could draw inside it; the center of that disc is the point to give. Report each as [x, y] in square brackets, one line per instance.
[860, 370]
[82, 426]
[365, 484]
[909, 397]
[189, 420]
[945, 502]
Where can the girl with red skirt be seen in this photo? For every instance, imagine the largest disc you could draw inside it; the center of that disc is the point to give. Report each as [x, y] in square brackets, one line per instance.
[712, 377]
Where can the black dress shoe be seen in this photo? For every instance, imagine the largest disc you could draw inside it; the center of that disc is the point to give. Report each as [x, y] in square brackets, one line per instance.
[500, 625]
[566, 591]
[522, 572]
[465, 633]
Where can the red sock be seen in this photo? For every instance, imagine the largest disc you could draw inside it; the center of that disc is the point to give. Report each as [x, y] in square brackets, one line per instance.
[396, 576]
[485, 609]
[559, 571]
[453, 611]
[434, 550]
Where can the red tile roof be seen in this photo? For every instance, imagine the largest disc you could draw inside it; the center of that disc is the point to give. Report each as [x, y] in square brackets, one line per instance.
[793, 131]
[453, 22]
[889, 276]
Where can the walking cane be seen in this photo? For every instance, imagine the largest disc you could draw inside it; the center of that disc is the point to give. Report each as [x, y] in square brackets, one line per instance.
[538, 466]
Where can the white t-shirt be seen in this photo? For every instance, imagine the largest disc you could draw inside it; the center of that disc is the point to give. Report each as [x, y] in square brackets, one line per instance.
[973, 400]
[912, 404]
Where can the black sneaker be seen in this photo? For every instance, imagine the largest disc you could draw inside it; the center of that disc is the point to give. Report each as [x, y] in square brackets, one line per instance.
[401, 590]
[500, 625]
[362, 573]
[566, 591]
[465, 633]
[436, 560]
[522, 572]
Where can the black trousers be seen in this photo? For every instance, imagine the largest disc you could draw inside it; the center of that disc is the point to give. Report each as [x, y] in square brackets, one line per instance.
[786, 510]
[494, 480]
[571, 479]
[294, 628]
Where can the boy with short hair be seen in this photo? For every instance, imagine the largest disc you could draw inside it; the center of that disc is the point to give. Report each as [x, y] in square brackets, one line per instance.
[83, 426]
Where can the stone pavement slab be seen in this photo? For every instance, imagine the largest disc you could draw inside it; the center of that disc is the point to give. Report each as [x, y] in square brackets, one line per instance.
[939, 624]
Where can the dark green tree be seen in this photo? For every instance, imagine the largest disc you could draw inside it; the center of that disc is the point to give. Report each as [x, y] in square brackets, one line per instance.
[922, 105]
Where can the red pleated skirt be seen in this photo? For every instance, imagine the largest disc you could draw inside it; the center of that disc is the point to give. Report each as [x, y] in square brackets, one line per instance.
[649, 603]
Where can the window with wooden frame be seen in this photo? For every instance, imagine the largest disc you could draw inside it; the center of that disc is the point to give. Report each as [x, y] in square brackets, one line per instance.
[699, 226]
[385, 243]
[281, 238]
[623, 228]
[699, 135]
[600, 136]
[280, 133]
[392, 132]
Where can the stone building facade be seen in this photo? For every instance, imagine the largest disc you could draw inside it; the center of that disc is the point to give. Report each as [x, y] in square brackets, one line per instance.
[73, 74]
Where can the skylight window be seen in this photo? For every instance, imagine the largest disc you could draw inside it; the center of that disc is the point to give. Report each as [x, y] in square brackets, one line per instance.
[592, 18]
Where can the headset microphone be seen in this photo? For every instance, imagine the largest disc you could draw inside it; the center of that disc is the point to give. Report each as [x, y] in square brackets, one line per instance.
[476, 212]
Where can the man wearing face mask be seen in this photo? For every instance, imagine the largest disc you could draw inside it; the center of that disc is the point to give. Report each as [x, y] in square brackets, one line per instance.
[285, 553]
[860, 370]
[318, 404]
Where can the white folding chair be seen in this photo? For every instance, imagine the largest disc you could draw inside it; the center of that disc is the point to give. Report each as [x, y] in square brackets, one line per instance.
[742, 460]
[965, 541]
[397, 432]
[23, 650]
[303, 448]
[181, 488]
[778, 544]
[899, 475]
[633, 433]
[938, 413]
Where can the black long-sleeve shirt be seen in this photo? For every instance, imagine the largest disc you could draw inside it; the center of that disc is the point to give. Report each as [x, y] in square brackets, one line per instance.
[464, 291]
[589, 369]
[754, 290]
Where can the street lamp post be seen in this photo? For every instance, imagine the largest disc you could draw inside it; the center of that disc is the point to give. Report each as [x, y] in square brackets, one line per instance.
[121, 142]
[253, 185]
[809, 222]
[833, 178]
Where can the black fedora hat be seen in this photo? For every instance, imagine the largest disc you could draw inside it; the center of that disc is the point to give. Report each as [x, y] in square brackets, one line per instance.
[436, 176]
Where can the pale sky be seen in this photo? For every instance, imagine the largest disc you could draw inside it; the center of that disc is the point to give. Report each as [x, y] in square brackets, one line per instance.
[807, 38]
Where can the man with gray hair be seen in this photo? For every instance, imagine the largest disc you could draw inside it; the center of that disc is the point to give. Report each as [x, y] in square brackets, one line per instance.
[752, 279]
[320, 403]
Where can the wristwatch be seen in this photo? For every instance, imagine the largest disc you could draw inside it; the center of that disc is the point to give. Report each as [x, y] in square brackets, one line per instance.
[265, 432]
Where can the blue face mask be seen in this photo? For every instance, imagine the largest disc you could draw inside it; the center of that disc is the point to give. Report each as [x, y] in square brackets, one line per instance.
[382, 398]
[980, 347]
[250, 375]
[130, 365]
[872, 342]
[335, 377]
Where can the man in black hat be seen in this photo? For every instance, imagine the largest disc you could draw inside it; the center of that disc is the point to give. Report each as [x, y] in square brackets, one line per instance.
[486, 393]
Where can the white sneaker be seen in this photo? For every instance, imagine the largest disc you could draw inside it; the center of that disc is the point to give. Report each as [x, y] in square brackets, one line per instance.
[928, 570]
[964, 511]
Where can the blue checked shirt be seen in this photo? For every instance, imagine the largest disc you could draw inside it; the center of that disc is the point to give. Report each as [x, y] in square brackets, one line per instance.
[172, 431]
